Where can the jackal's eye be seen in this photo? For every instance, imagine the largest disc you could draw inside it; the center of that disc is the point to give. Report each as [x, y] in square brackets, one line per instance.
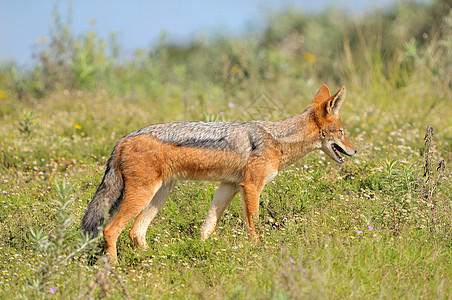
[342, 131]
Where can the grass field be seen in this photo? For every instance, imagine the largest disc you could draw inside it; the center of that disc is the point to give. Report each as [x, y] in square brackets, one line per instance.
[370, 228]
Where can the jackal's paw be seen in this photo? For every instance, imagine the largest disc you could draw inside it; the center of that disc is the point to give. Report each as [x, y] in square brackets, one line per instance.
[253, 238]
[112, 259]
[207, 230]
[139, 242]
[205, 235]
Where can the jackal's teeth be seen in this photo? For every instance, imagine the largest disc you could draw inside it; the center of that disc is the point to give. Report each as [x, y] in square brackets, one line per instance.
[336, 151]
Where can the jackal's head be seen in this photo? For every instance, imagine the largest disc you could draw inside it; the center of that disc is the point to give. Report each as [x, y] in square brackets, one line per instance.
[332, 138]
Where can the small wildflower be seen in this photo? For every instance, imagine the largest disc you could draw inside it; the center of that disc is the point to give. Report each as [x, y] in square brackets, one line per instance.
[78, 127]
[235, 69]
[371, 228]
[309, 57]
[359, 232]
[231, 105]
[291, 260]
[52, 290]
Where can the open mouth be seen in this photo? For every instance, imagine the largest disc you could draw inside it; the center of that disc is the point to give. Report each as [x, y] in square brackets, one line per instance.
[338, 150]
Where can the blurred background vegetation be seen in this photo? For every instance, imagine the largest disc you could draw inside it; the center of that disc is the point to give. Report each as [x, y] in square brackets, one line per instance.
[396, 63]
[392, 49]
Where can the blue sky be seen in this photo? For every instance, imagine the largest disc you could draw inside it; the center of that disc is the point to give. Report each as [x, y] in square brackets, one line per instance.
[139, 23]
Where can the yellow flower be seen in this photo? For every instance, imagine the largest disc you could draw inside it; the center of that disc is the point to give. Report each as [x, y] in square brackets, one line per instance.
[78, 127]
[3, 94]
[235, 69]
[310, 57]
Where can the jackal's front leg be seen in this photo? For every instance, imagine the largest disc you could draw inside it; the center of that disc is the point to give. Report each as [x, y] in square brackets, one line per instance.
[223, 196]
[250, 199]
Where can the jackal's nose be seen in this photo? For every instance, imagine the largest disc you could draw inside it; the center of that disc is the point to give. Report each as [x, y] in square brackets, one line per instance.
[352, 153]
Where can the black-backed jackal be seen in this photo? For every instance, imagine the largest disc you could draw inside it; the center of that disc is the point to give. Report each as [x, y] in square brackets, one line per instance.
[244, 157]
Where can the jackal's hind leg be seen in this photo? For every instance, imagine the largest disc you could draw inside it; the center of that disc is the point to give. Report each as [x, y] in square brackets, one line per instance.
[136, 197]
[223, 196]
[138, 232]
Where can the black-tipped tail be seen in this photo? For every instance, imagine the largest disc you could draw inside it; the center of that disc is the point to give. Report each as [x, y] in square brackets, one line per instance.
[107, 198]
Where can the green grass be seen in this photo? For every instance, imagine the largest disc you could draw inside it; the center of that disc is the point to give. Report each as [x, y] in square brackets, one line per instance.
[314, 225]
[363, 229]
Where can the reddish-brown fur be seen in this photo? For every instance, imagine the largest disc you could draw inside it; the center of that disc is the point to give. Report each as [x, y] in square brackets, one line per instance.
[145, 164]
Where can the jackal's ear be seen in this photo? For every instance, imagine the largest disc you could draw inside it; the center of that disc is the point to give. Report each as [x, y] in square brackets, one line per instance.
[322, 94]
[335, 103]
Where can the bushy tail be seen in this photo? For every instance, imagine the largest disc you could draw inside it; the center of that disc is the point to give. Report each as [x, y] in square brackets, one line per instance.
[107, 198]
